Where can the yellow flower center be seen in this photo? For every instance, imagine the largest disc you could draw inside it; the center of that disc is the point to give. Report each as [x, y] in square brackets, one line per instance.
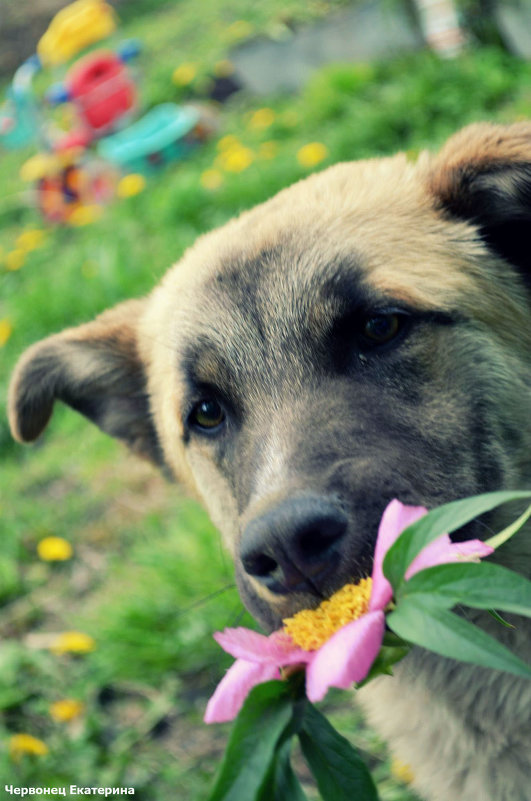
[311, 628]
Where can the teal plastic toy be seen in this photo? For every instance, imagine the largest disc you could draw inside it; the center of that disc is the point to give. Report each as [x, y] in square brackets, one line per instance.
[19, 116]
[164, 134]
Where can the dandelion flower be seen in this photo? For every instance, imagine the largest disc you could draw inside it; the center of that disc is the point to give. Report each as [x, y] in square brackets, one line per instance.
[6, 329]
[184, 74]
[20, 744]
[211, 179]
[84, 215]
[54, 549]
[241, 29]
[338, 642]
[15, 259]
[73, 642]
[66, 709]
[228, 142]
[312, 154]
[235, 159]
[131, 185]
[261, 119]
[31, 239]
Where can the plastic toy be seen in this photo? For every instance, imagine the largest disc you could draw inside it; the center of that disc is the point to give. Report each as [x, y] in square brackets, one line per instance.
[103, 100]
[165, 134]
[17, 120]
[103, 92]
[75, 27]
[19, 114]
[67, 181]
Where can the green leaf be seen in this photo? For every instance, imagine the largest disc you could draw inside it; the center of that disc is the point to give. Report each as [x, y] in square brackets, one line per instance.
[251, 750]
[383, 664]
[340, 772]
[443, 632]
[510, 531]
[493, 613]
[442, 520]
[482, 586]
[281, 783]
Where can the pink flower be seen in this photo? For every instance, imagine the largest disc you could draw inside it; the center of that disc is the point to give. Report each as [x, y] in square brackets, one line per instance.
[346, 657]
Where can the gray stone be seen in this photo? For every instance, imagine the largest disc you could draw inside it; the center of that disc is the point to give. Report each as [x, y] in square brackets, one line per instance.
[362, 32]
[513, 18]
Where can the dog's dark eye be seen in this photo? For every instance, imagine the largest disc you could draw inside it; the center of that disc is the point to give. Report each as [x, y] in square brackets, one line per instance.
[207, 415]
[378, 329]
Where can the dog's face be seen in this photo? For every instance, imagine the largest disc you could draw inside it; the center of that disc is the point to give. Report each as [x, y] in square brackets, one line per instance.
[362, 336]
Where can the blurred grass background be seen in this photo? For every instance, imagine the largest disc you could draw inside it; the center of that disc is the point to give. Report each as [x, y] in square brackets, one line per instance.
[148, 580]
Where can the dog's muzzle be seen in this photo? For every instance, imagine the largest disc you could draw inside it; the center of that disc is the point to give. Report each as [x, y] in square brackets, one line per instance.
[295, 546]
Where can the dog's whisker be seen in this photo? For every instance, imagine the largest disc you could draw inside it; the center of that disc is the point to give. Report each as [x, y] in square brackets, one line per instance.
[205, 599]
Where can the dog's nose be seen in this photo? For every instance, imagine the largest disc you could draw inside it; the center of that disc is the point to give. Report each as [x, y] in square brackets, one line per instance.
[295, 546]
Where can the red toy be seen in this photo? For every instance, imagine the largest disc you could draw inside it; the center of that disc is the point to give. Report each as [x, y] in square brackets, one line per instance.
[103, 93]
[102, 89]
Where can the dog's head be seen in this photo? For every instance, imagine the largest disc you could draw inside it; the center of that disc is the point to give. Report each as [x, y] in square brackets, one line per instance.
[364, 335]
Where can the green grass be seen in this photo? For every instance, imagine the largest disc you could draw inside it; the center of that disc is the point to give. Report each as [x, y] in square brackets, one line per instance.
[149, 580]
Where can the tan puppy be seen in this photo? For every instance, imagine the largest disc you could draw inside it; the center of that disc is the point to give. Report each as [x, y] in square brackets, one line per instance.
[364, 335]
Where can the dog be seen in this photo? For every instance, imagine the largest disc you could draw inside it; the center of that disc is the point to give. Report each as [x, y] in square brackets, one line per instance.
[363, 335]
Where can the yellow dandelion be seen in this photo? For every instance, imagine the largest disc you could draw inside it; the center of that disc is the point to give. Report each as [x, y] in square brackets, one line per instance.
[311, 628]
[224, 68]
[15, 259]
[261, 119]
[84, 215]
[235, 159]
[268, 150]
[54, 549]
[6, 329]
[31, 239]
[240, 29]
[401, 771]
[67, 709]
[131, 185]
[184, 74]
[211, 179]
[228, 143]
[20, 744]
[312, 154]
[73, 642]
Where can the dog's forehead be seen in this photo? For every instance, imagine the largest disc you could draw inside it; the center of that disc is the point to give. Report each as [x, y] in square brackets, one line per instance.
[374, 218]
[366, 229]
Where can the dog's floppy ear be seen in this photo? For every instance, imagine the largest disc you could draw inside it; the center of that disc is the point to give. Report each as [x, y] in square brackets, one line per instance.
[483, 175]
[96, 369]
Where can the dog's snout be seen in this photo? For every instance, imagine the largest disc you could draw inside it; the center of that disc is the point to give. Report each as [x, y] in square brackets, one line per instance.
[296, 545]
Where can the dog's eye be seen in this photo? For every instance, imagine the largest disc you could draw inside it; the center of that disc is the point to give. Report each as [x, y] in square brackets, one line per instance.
[378, 329]
[207, 415]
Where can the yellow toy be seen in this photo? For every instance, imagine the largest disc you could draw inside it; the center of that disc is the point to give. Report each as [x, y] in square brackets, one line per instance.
[73, 28]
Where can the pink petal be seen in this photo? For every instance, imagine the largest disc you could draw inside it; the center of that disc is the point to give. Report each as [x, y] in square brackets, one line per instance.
[277, 649]
[443, 550]
[234, 688]
[346, 657]
[395, 519]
